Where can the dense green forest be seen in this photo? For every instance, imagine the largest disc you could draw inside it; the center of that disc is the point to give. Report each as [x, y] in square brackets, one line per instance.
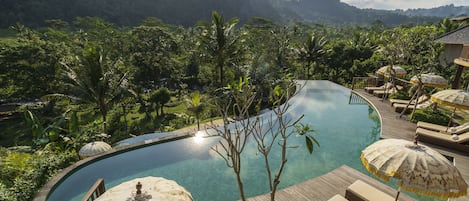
[90, 79]
[33, 13]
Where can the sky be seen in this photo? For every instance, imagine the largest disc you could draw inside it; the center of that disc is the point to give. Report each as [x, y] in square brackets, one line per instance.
[403, 4]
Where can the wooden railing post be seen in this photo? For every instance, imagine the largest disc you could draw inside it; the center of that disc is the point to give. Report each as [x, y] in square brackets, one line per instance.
[95, 191]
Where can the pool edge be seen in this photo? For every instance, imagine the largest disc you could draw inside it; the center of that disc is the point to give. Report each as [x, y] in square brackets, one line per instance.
[375, 108]
[44, 191]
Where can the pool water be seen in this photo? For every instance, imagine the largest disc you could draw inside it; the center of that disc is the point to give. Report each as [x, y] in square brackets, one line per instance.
[343, 130]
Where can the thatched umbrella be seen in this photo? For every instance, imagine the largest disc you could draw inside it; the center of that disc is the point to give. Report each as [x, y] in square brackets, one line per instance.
[453, 98]
[418, 168]
[93, 149]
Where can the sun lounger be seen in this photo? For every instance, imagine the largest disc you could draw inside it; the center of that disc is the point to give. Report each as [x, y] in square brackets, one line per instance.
[399, 107]
[458, 142]
[439, 128]
[371, 89]
[381, 92]
[361, 191]
[337, 198]
[420, 100]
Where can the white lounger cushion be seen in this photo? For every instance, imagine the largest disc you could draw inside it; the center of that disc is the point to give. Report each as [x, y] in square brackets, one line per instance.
[361, 191]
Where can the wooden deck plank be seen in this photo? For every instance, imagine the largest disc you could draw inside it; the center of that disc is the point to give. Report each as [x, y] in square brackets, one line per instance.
[326, 186]
[336, 181]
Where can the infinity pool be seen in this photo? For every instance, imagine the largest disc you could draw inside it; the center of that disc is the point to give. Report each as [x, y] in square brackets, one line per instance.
[344, 128]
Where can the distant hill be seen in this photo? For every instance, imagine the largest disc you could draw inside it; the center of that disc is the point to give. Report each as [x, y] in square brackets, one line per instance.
[336, 12]
[188, 12]
[442, 11]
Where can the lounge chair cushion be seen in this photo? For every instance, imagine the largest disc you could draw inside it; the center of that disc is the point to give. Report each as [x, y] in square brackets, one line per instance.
[451, 130]
[361, 191]
[400, 107]
[462, 138]
[337, 198]
[460, 143]
[420, 100]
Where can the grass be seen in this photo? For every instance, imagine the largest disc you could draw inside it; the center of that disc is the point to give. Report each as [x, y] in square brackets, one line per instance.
[7, 37]
[180, 108]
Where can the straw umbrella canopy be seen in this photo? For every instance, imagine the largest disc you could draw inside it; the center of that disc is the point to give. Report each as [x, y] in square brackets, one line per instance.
[387, 71]
[452, 97]
[429, 80]
[426, 79]
[417, 168]
[147, 188]
[459, 99]
[93, 149]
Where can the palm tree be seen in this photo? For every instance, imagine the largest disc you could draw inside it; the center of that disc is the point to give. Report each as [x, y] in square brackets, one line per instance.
[219, 41]
[311, 51]
[96, 80]
[196, 107]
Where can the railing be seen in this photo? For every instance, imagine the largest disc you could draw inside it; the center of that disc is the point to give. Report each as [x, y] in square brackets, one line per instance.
[362, 82]
[355, 99]
[95, 191]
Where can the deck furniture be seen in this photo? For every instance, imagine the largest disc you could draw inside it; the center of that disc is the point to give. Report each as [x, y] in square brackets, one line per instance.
[444, 129]
[95, 191]
[399, 107]
[457, 142]
[361, 191]
[337, 197]
[420, 100]
[382, 87]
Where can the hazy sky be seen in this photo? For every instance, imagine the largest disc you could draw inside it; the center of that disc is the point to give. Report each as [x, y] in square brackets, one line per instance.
[403, 4]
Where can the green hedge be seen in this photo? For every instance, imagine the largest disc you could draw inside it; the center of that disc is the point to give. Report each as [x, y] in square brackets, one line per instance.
[431, 116]
[19, 182]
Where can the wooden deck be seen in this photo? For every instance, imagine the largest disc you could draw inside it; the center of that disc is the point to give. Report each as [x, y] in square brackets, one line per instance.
[394, 127]
[336, 181]
[326, 186]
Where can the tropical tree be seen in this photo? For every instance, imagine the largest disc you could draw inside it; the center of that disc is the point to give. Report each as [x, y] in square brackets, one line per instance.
[95, 79]
[219, 43]
[196, 106]
[311, 52]
[160, 97]
[30, 61]
[151, 51]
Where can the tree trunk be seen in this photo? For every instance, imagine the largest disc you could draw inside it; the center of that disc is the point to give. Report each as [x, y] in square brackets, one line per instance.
[104, 122]
[198, 122]
[221, 75]
[125, 118]
[240, 185]
[457, 78]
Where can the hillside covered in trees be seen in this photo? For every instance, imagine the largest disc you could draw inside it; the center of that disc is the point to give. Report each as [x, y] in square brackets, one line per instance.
[132, 12]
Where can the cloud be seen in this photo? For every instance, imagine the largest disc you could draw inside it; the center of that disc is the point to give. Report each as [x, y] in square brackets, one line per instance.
[403, 4]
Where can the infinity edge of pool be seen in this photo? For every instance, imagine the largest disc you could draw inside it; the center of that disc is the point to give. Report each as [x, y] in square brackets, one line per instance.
[47, 189]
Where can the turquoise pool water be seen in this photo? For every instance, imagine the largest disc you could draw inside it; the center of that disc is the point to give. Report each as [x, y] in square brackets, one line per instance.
[344, 129]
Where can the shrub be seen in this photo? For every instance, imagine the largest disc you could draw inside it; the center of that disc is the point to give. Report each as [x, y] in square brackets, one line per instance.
[5, 193]
[19, 182]
[431, 116]
[400, 95]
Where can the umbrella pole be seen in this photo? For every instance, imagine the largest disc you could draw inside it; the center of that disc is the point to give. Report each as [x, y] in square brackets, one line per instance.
[408, 104]
[450, 119]
[397, 196]
[419, 93]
